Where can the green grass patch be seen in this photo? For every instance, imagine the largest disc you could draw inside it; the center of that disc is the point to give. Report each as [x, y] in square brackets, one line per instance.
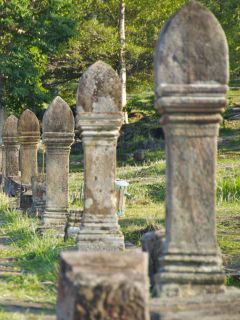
[35, 256]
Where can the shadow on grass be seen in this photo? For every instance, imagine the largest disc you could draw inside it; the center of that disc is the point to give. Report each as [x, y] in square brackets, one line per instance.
[138, 227]
[27, 309]
[229, 131]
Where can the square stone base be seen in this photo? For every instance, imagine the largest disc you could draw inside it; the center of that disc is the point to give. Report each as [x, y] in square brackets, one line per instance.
[103, 286]
[73, 223]
[51, 230]
[223, 306]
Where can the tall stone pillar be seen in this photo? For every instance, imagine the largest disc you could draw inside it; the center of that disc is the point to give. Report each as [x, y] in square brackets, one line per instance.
[191, 74]
[2, 119]
[58, 134]
[11, 147]
[99, 119]
[29, 136]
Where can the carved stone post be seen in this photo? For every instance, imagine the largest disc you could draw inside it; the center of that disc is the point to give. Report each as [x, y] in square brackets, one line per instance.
[99, 120]
[29, 136]
[191, 72]
[11, 147]
[58, 134]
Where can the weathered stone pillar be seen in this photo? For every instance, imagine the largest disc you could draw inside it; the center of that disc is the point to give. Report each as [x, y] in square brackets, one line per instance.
[11, 147]
[58, 134]
[99, 120]
[2, 119]
[191, 73]
[29, 136]
[103, 286]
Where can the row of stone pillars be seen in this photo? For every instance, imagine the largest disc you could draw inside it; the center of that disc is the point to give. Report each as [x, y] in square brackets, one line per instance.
[20, 169]
[191, 76]
[99, 120]
[24, 132]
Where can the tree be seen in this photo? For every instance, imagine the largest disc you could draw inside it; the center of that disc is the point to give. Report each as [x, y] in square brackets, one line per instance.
[46, 45]
[97, 38]
[228, 14]
[31, 33]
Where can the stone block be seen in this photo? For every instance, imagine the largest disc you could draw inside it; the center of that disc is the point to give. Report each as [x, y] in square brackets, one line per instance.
[152, 242]
[103, 286]
[224, 306]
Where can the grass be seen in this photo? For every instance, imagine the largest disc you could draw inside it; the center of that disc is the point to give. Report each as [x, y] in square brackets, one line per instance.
[37, 257]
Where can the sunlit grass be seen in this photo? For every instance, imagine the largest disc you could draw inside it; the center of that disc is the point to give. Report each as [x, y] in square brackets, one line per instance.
[35, 258]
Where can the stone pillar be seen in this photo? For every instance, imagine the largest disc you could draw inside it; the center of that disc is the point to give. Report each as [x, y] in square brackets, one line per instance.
[29, 136]
[99, 119]
[58, 134]
[2, 119]
[191, 74]
[11, 147]
[103, 286]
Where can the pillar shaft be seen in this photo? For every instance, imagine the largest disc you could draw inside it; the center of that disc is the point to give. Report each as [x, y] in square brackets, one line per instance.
[99, 176]
[191, 261]
[28, 158]
[11, 162]
[190, 157]
[57, 169]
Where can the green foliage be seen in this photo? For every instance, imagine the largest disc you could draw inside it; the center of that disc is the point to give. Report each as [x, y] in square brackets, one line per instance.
[228, 14]
[233, 281]
[228, 189]
[30, 34]
[46, 45]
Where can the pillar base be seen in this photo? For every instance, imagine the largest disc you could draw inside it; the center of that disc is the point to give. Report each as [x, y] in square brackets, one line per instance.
[100, 233]
[185, 275]
[73, 223]
[97, 241]
[203, 307]
[54, 222]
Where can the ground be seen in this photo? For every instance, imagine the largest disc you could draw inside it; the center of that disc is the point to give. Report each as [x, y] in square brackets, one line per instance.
[29, 263]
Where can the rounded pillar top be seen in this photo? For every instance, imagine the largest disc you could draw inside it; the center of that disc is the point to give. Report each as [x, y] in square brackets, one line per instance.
[191, 67]
[28, 122]
[10, 127]
[58, 117]
[192, 48]
[99, 90]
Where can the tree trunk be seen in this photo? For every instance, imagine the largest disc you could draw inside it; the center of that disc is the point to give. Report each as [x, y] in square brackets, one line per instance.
[123, 75]
[2, 119]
